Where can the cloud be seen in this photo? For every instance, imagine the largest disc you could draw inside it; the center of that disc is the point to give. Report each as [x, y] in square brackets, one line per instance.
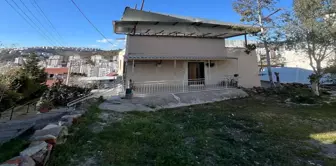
[118, 44]
[104, 40]
[94, 45]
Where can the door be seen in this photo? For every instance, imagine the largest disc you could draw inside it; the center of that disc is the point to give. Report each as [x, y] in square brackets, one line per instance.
[195, 73]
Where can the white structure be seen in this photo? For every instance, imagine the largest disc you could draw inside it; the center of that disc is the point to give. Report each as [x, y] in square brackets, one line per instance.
[19, 60]
[97, 58]
[292, 58]
[101, 66]
[78, 65]
[55, 61]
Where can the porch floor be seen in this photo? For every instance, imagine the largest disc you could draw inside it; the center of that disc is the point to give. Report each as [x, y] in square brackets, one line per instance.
[171, 100]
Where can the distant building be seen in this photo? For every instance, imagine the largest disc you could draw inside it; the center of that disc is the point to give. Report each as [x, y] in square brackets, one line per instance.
[78, 65]
[92, 71]
[96, 58]
[55, 61]
[19, 60]
[101, 66]
[55, 74]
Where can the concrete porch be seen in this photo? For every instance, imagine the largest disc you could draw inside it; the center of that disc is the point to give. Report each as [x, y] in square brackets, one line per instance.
[171, 100]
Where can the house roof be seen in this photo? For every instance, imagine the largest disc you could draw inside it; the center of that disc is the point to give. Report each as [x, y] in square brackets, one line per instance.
[112, 74]
[60, 70]
[145, 23]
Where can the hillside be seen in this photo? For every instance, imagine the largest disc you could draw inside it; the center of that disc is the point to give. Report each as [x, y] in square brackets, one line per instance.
[9, 54]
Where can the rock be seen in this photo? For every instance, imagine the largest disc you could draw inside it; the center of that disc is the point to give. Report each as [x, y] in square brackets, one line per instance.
[47, 138]
[40, 156]
[137, 133]
[15, 161]
[288, 100]
[48, 154]
[68, 120]
[59, 132]
[27, 161]
[49, 126]
[35, 143]
[34, 149]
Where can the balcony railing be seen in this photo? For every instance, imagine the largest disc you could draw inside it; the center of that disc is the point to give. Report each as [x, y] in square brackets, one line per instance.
[178, 86]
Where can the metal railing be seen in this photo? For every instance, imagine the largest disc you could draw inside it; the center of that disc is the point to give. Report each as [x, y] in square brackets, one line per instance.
[15, 111]
[112, 88]
[103, 84]
[176, 86]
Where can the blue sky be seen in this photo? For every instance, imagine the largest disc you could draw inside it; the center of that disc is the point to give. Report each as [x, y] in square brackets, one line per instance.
[77, 32]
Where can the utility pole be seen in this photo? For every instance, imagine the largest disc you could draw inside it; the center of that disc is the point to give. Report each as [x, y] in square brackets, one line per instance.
[268, 59]
[69, 73]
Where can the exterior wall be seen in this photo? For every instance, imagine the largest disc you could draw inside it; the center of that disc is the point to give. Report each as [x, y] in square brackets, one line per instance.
[245, 65]
[248, 70]
[175, 46]
[220, 70]
[150, 71]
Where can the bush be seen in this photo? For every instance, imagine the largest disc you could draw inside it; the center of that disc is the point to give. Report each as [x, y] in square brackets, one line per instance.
[60, 94]
[303, 99]
[297, 93]
[44, 104]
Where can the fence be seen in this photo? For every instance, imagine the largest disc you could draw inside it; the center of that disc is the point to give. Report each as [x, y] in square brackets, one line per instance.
[175, 86]
[103, 84]
[16, 111]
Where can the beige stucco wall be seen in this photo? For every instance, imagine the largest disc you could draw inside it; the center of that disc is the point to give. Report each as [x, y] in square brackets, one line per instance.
[220, 71]
[245, 65]
[175, 46]
[248, 70]
[152, 71]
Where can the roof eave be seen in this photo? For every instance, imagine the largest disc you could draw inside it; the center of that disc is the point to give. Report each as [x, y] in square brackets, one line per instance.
[238, 30]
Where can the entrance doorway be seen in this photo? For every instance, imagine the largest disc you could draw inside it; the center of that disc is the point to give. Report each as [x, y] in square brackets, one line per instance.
[196, 73]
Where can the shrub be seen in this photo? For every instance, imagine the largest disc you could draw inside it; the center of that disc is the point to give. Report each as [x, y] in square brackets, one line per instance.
[60, 94]
[297, 93]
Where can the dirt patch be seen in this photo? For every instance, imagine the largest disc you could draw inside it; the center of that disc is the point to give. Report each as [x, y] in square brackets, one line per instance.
[111, 116]
[88, 161]
[97, 127]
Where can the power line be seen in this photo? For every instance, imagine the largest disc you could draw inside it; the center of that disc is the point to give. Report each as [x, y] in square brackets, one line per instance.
[38, 21]
[34, 27]
[91, 22]
[34, 23]
[37, 7]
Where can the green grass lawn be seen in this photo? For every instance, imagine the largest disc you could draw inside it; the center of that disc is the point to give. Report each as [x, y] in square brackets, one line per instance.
[12, 149]
[236, 132]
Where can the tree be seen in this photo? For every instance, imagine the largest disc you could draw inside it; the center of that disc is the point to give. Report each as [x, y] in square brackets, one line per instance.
[252, 11]
[275, 55]
[19, 85]
[8, 89]
[33, 71]
[310, 28]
